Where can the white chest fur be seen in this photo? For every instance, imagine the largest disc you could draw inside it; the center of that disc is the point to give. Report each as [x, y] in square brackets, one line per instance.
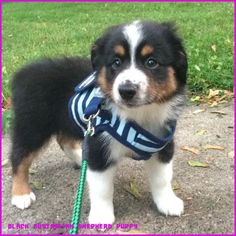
[151, 117]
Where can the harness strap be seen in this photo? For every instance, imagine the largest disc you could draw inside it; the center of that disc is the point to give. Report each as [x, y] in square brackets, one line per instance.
[88, 100]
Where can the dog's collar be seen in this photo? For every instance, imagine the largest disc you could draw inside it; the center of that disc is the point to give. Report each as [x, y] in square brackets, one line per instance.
[88, 100]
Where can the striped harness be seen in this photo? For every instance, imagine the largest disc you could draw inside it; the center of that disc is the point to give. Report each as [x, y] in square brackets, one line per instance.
[88, 100]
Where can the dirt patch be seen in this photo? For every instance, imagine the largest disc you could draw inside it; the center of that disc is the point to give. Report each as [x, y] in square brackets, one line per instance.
[208, 193]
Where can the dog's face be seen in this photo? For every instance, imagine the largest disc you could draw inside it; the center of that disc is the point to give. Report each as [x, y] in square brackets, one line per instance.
[140, 63]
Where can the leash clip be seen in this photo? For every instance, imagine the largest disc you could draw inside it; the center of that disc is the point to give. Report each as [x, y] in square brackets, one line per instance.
[90, 128]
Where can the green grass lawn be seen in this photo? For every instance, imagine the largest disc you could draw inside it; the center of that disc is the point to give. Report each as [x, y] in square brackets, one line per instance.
[34, 30]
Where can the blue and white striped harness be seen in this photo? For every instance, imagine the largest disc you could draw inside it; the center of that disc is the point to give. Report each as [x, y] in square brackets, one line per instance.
[89, 99]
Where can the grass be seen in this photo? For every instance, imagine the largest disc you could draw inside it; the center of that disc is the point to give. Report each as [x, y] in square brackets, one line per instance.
[34, 30]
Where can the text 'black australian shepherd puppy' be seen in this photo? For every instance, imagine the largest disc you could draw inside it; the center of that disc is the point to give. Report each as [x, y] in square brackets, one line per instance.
[141, 70]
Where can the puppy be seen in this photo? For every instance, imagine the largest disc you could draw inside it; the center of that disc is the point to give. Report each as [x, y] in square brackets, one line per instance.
[141, 69]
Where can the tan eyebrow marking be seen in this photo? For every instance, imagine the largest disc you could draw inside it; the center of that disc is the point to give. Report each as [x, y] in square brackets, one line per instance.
[120, 50]
[147, 50]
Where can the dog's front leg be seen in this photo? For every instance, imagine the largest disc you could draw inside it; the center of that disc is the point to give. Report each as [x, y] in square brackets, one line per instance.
[160, 176]
[101, 196]
[100, 174]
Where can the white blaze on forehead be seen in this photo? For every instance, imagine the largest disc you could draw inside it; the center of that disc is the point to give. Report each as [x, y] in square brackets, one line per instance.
[133, 34]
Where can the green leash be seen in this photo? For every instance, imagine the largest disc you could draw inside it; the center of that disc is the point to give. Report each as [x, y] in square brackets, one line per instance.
[78, 199]
[80, 190]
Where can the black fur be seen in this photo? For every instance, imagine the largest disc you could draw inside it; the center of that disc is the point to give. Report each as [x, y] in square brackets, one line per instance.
[166, 154]
[97, 152]
[40, 94]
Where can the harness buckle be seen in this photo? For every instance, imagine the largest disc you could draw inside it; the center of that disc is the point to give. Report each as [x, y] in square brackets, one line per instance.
[90, 128]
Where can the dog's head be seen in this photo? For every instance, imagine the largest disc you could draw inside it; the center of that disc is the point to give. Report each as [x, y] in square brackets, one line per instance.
[140, 63]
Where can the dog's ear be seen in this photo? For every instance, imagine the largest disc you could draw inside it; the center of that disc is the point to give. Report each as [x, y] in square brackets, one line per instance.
[97, 52]
[181, 63]
[170, 25]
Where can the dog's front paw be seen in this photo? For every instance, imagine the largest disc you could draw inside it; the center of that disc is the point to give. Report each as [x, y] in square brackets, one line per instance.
[23, 201]
[170, 205]
[101, 216]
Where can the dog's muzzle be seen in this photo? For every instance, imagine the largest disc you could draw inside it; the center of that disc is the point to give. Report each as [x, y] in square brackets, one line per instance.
[128, 90]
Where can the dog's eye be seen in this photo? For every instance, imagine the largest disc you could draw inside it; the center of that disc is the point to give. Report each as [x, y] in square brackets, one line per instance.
[151, 63]
[116, 63]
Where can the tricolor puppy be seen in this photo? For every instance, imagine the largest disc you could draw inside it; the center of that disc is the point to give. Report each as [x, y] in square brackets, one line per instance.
[141, 71]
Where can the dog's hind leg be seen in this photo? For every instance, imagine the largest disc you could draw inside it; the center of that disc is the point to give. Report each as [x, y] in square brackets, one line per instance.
[22, 156]
[71, 147]
[22, 195]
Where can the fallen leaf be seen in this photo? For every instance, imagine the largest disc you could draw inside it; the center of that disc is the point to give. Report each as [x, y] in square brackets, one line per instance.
[197, 164]
[222, 102]
[231, 155]
[195, 99]
[191, 149]
[213, 93]
[175, 185]
[228, 93]
[37, 184]
[214, 104]
[32, 171]
[219, 112]
[216, 97]
[201, 132]
[198, 111]
[4, 162]
[133, 190]
[215, 147]
[223, 97]
[213, 47]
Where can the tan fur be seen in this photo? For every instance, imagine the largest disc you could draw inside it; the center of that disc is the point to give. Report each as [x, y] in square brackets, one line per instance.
[20, 184]
[162, 91]
[146, 50]
[119, 50]
[69, 142]
[105, 86]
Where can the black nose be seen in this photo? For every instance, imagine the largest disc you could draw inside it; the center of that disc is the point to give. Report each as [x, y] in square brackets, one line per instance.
[128, 90]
